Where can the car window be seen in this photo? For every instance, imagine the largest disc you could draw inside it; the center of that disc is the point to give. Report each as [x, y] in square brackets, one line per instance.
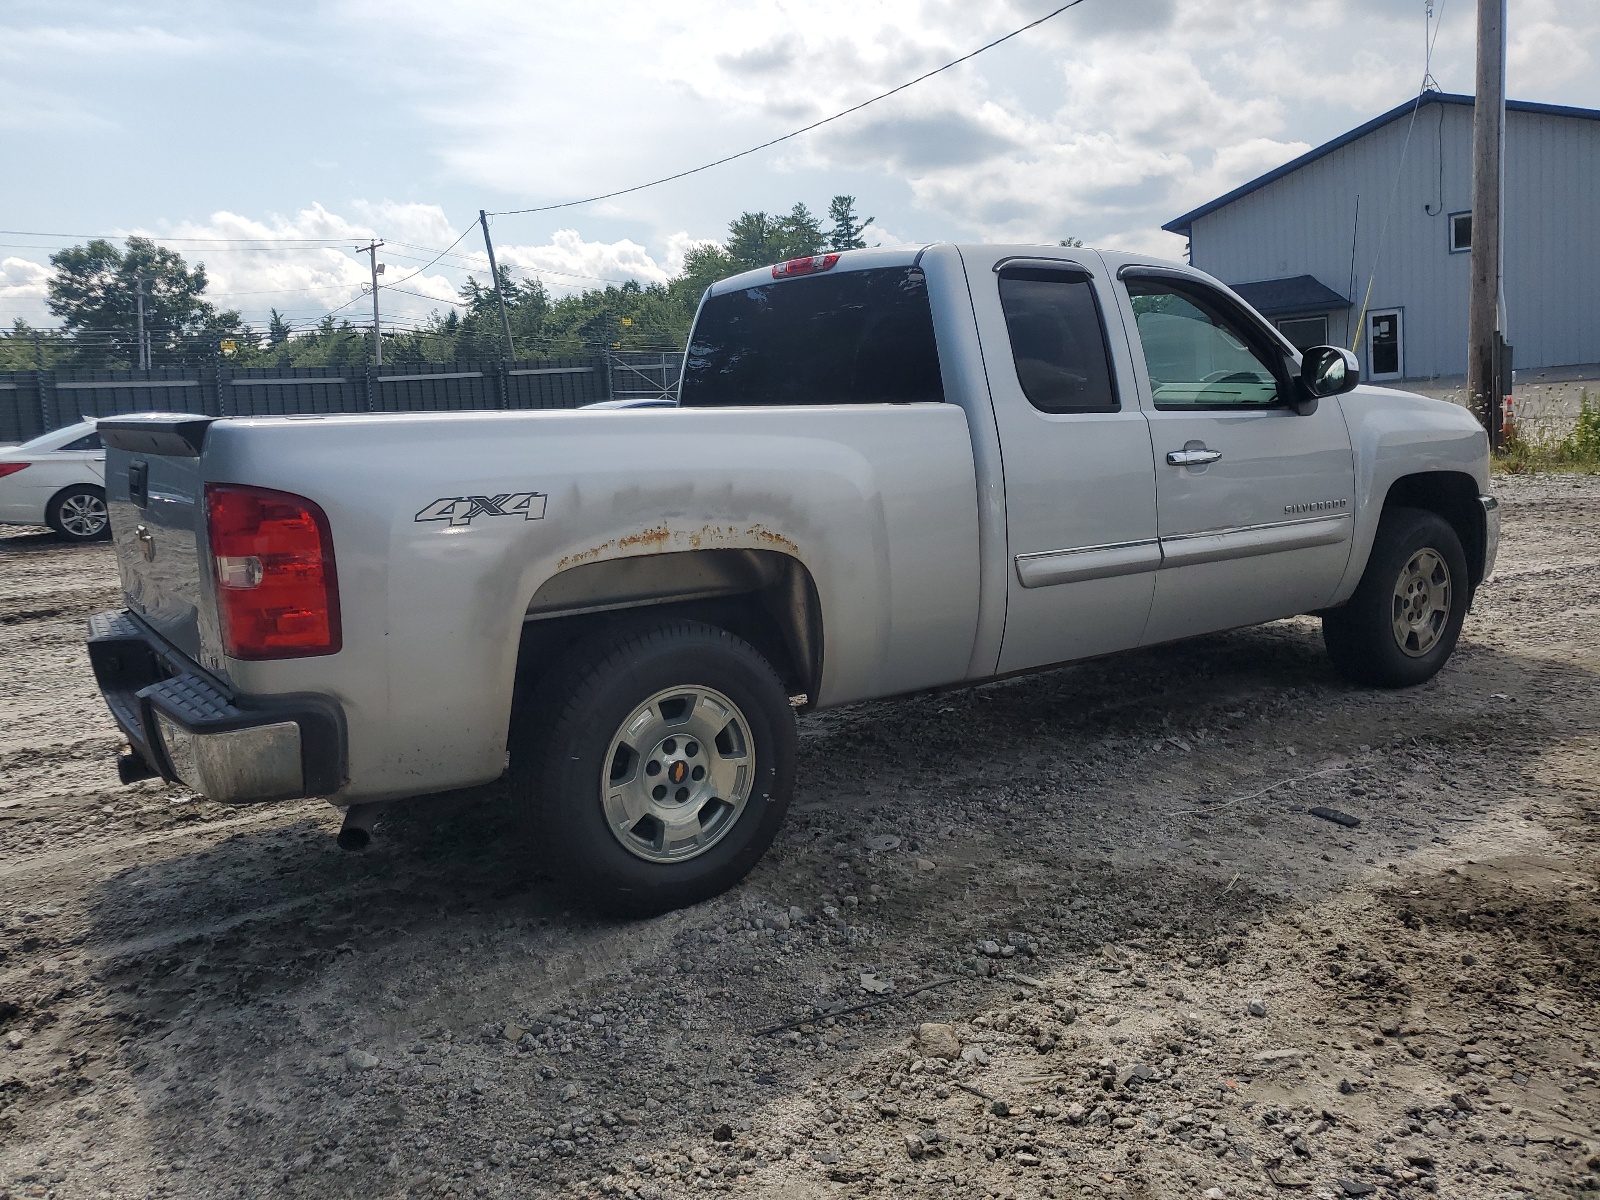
[858, 337]
[89, 441]
[1197, 353]
[43, 441]
[1057, 340]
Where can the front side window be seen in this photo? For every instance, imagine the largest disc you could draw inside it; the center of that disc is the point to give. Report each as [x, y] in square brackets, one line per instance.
[857, 337]
[1197, 352]
[1057, 340]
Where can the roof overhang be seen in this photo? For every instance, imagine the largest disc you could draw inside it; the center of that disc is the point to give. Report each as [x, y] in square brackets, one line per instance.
[1293, 294]
[1183, 224]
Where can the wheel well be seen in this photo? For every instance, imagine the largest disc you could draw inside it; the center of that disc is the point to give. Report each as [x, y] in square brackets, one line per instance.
[73, 487]
[765, 597]
[1453, 496]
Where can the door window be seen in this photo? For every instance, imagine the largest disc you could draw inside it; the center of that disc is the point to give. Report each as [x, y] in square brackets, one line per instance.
[1385, 349]
[1057, 339]
[857, 337]
[1198, 353]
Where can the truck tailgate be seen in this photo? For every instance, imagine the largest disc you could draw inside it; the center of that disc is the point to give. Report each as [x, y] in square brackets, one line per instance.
[154, 494]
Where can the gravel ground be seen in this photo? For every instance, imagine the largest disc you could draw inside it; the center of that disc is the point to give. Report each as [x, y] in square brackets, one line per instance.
[1069, 935]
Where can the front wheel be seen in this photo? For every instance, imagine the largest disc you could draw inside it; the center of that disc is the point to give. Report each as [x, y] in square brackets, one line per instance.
[655, 766]
[1403, 621]
[79, 514]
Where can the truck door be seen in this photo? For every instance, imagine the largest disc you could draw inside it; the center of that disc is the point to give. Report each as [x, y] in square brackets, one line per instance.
[1080, 496]
[1255, 499]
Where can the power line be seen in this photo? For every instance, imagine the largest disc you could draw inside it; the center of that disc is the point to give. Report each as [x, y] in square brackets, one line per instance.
[332, 243]
[855, 108]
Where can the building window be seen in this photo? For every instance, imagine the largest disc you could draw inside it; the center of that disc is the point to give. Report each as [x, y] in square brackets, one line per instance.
[1460, 232]
[1305, 332]
[1386, 357]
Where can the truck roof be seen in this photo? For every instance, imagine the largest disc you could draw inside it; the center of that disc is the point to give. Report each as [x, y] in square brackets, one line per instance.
[904, 256]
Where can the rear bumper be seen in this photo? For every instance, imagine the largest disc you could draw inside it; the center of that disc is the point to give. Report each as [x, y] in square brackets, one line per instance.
[189, 730]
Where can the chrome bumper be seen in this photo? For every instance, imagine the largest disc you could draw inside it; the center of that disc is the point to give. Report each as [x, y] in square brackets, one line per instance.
[182, 726]
[1491, 534]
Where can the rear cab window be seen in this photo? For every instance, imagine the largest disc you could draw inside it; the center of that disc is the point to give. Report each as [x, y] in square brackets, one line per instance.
[851, 337]
[1058, 340]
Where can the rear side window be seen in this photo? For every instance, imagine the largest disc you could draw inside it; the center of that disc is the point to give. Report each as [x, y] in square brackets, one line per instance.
[1057, 340]
[859, 337]
[89, 441]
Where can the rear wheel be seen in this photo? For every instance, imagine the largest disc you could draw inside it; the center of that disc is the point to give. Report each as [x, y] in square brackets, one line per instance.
[1403, 621]
[655, 766]
[79, 514]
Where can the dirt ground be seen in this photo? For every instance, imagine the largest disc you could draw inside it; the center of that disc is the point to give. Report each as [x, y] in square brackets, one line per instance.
[1146, 970]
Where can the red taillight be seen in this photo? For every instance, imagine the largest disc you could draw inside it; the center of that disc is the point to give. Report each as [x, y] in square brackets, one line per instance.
[12, 468]
[272, 554]
[804, 266]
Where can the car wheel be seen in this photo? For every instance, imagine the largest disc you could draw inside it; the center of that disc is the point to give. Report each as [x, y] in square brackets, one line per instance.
[654, 765]
[79, 514]
[1403, 621]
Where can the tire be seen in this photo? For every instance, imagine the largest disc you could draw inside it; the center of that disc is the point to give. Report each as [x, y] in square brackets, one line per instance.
[78, 514]
[1402, 623]
[604, 763]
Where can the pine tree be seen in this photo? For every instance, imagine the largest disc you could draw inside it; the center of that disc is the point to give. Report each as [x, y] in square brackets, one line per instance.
[801, 233]
[277, 329]
[847, 229]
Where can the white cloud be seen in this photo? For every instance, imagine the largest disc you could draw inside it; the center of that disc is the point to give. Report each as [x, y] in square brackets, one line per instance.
[22, 289]
[567, 262]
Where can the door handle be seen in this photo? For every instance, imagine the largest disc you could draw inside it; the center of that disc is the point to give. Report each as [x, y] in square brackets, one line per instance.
[1192, 458]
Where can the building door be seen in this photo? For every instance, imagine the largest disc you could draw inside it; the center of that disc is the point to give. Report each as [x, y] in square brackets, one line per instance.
[1253, 499]
[1386, 349]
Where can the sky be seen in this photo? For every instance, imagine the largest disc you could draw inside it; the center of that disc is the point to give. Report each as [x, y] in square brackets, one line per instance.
[268, 140]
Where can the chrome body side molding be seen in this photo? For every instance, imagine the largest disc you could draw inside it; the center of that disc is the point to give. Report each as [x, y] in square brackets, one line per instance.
[1247, 541]
[1087, 562]
[1128, 558]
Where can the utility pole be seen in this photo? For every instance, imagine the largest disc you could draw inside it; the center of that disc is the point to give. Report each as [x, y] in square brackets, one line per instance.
[144, 349]
[1484, 375]
[377, 269]
[494, 273]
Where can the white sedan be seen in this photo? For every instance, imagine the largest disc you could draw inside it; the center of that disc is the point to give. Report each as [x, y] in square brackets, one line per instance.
[57, 480]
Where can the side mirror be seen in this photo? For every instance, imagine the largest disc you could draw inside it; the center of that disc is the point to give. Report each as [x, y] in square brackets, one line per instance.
[1328, 371]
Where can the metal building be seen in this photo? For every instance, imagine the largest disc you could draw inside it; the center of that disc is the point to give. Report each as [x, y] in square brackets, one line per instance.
[1375, 228]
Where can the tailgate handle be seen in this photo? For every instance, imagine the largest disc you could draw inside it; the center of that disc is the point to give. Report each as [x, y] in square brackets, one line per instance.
[139, 483]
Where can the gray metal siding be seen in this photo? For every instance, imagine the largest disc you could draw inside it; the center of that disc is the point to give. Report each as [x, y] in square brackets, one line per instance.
[1303, 224]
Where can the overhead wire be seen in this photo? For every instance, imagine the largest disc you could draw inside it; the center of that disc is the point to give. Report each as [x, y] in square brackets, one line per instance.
[1394, 192]
[767, 145]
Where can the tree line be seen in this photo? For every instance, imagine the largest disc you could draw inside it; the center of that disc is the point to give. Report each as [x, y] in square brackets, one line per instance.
[95, 292]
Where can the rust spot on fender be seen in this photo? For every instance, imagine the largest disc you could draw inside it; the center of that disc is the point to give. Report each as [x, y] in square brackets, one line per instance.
[662, 538]
[772, 538]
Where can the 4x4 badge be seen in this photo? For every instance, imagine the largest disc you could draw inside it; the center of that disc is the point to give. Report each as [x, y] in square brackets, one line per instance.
[460, 510]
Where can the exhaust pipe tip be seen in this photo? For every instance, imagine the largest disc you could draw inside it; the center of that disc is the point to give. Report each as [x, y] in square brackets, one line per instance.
[131, 767]
[353, 839]
[356, 833]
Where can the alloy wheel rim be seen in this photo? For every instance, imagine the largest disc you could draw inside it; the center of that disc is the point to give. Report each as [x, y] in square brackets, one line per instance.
[1421, 606]
[83, 515]
[678, 774]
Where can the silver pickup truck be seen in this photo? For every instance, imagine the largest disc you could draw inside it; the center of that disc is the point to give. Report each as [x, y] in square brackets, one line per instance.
[889, 471]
